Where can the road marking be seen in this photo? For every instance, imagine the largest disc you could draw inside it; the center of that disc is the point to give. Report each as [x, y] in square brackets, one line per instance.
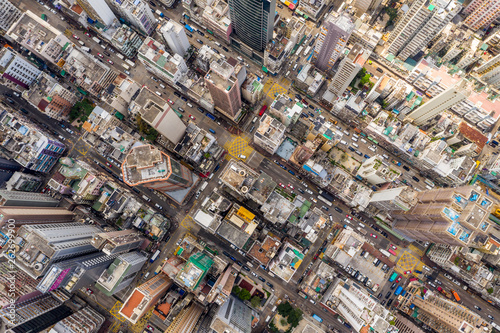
[115, 311]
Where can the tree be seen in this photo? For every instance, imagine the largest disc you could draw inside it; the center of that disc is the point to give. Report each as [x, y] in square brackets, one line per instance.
[283, 322]
[284, 309]
[255, 301]
[236, 290]
[81, 110]
[294, 317]
[245, 295]
[364, 80]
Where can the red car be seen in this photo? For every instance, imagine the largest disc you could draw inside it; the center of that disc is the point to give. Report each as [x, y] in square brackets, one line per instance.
[394, 247]
[110, 61]
[76, 37]
[87, 34]
[349, 217]
[190, 116]
[398, 279]
[373, 235]
[290, 186]
[315, 257]
[170, 101]
[282, 185]
[100, 55]
[109, 164]
[407, 272]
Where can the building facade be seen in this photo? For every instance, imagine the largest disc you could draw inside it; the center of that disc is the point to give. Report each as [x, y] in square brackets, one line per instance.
[481, 13]
[176, 37]
[224, 88]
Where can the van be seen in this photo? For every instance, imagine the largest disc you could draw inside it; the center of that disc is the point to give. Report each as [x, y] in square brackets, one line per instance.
[375, 261]
[81, 43]
[366, 255]
[189, 104]
[162, 86]
[103, 46]
[240, 58]
[355, 145]
[211, 131]
[218, 44]
[295, 67]
[385, 156]
[243, 157]
[427, 268]
[343, 142]
[346, 133]
[146, 198]
[362, 140]
[354, 139]
[145, 276]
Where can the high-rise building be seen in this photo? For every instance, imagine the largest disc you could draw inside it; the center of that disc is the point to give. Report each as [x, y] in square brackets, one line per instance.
[120, 273]
[481, 13]
[194, 271]
[26, 199]
[440, 103]
[224, 89]
[270, 134]
[186, 320]
[86, 320]
[15, 285]
[148, 166]
[127, 41]
[233, 316]
[75, 273]
[40, 245]
[17, 69]
[34, 215]
[398, 198]
[333, 37]
[144, 297]
[363, 6]
[176, 38]
[489, 72]
[139, 14]
[253, 21]
[216, 19]
[24, 182]
[348, 68]
[375, 171]
[9, 14]
[118, 241]
[98, 11]
[222, 288]
[453, 216]
[423, 21]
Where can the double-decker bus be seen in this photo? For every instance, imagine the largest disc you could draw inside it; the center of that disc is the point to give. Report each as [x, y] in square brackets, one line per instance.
[262, 110]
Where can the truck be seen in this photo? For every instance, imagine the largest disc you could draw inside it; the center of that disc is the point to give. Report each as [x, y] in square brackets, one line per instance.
[302, 294]
[97, 40]
[385, 253]
[158, 269]
[393, 276]
[455, 295]
[396, 162]
[318, 318]
[155, 256]
[188, 28]
[119, 55]
[211, 116]
[160, 14]
[130, 62]
[86, 49]
[127, 67]
[398, 290]
[203, 186]
[306, 52]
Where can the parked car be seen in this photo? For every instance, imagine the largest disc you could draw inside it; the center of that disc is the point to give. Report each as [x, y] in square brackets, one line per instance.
[261, 278]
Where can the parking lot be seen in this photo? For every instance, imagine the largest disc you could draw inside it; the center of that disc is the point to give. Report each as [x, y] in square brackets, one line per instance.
[366, 267]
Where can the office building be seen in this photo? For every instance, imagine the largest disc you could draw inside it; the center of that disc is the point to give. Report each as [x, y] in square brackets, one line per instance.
[120, 273]
[334, 34]
[37, 313]
[194, 271]
[75, 273]
[126, 41]
[253, 21]
[186, 320]
[233, 316]
[26, 199]
[398, 198]
[224, 88]
[423, 21]
[99, 13]
[348, 69]
[481, 13]
[86, 320]
[440, 103]
[375, 171]
[453, 216]
[489, 72]
[118, 241]
[40, 245]
[149, 167]
[139, 14]
[270, 134]
[223, 286]
[34, 215]
[9, 14]
[144, 297]
[366, 6]
[176, 37]
[17, 69]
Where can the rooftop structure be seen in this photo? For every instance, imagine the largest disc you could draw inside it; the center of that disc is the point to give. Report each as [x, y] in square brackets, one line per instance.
[126, 41]
[264, 252]
[98, 11]
[48, 243]
[144, 297]
[216, 19]
[155, 111]
[150, 167]
[120, 273]
[286, 263]
[233, 316]
[194, 271]
[269, 134]
[376, 171]
[284, 110]
[277, 208]
[176, 38]
[17, 69]
[117, 241]
[209, 214]
[313, 8]
[252, 90]
[238, 226]
[224, 88]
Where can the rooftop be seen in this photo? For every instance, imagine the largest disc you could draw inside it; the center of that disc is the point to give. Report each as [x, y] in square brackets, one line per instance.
[265, 251]
[286, 263]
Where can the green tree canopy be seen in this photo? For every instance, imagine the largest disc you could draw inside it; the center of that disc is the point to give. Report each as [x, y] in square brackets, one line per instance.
[294, 317]
[255, 301]
[245, 295]
[236, 290]
[284, 309]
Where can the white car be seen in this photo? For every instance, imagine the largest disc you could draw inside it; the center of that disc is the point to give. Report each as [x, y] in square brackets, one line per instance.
[158, 206]
[253, 273]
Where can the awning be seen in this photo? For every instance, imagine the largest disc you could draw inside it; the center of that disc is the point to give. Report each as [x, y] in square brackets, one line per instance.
[264, 69]
[119, 115]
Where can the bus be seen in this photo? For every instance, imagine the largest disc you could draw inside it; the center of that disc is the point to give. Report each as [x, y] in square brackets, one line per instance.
[262, 110]
[398, 290]
[211, 116]
[127, 67]
[393, 276]
[188, 28]
[429, 182]
[326, 195]
[306, 52]
[457, 298]
[302, 294]
[318, 318]
[119, 55]
[299, 50]
[203, 186]
[130, 62]
[155, 256]
[392, 252]
[324, 200]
